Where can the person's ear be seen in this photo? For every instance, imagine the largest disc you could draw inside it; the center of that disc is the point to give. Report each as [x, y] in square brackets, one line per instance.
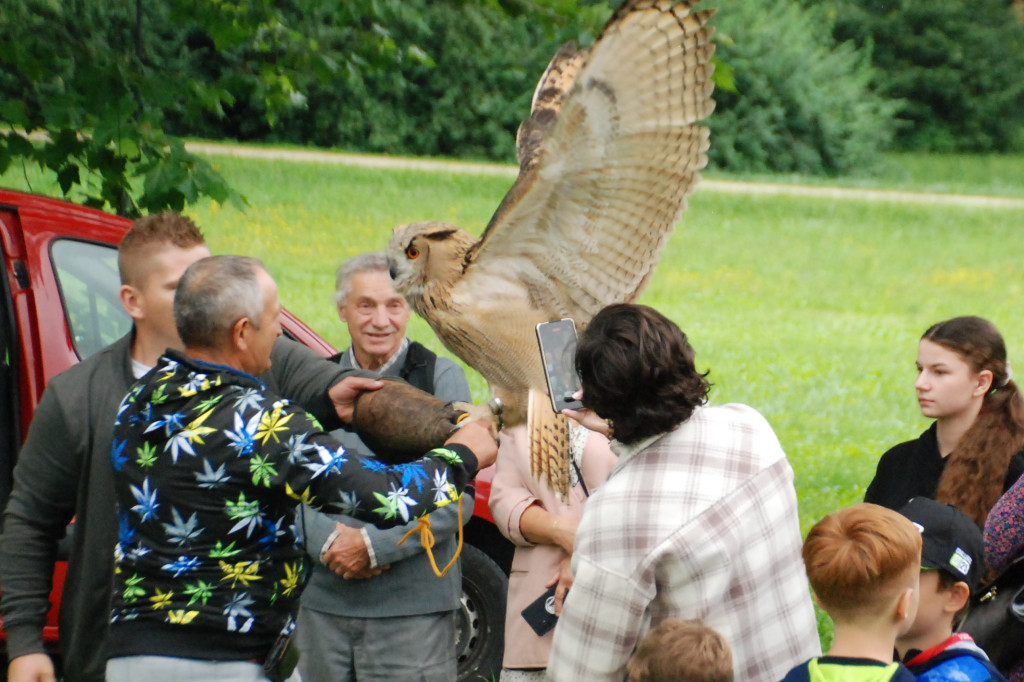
[131, 300]
[240, 331]
[984, 383]
[903, 605]
[958, 596]
[341, 312]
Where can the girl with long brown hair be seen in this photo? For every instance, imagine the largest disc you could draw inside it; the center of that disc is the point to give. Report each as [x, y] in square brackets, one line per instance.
[975, 449]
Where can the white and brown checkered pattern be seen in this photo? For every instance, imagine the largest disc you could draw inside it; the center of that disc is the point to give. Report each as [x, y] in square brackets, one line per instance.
[697, 523]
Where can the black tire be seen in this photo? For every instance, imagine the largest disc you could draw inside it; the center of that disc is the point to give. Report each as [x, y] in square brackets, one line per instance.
[480, 624]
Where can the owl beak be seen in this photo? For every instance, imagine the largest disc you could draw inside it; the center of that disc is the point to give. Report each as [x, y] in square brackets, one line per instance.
[392, 267]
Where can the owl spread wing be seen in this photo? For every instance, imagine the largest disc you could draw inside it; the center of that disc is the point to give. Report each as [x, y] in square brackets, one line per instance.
[607, 158]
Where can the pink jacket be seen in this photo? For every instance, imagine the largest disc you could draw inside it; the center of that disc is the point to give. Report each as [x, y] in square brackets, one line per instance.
[512, 491]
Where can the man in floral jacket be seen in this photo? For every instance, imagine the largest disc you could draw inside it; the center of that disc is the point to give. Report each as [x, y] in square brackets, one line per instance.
[209, 467]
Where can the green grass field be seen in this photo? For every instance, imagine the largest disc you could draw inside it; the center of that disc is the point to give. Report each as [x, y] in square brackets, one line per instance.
[997, 175]
[807, 309]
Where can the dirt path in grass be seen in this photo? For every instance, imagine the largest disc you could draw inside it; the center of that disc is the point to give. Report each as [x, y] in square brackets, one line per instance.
[508, 170]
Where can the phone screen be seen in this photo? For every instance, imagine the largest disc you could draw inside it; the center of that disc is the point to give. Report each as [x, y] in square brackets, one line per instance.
[557, 342]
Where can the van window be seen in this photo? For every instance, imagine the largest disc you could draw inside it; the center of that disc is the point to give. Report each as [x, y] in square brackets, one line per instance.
[89, 288]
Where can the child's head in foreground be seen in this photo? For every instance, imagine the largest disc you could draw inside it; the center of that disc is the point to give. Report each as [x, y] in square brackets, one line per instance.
[864, 563]
[952, 562]
[681, 651]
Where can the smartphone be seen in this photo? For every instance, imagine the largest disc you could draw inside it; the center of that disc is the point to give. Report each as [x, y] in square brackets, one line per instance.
[557, 342]
[540, 615]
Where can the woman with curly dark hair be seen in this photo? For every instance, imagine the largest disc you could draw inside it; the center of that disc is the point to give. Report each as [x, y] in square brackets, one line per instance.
[974, 451]
[639, 372]
[698, 519]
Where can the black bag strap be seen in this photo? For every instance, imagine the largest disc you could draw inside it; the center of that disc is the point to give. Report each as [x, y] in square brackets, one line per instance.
[579, 475]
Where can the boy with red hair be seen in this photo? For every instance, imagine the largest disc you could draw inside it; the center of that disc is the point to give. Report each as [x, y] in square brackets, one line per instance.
[864, 563]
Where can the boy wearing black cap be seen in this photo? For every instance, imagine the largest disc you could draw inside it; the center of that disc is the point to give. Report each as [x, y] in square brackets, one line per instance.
[952, 562]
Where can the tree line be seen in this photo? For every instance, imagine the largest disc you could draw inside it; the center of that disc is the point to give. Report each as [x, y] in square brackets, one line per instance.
[101, 92]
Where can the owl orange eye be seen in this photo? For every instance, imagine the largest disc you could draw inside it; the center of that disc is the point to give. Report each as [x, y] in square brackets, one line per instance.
[412, 252]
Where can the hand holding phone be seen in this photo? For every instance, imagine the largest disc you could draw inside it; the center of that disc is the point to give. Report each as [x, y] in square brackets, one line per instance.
[540, 614]
[557, 341]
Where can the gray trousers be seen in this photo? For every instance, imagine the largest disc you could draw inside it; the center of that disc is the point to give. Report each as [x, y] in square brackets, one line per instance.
[345, 649]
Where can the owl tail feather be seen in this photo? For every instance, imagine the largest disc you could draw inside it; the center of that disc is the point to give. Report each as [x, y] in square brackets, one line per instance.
[549, 443]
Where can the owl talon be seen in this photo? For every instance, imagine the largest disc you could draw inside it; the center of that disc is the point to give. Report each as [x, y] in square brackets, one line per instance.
[490, 411]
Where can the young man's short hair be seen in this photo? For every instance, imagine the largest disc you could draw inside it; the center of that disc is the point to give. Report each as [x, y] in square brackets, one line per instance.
[857, 558]
[150, 233]
[681, 651]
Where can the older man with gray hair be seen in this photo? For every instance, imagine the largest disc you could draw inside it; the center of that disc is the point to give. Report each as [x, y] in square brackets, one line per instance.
[358, 622]
[209, 466]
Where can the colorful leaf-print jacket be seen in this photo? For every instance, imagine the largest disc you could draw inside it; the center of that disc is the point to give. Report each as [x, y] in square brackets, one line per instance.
[209, 468]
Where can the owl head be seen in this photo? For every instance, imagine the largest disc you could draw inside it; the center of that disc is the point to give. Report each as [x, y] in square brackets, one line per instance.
[427, 256]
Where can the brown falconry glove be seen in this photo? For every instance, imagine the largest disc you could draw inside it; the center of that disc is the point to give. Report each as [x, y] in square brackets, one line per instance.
[401, 423]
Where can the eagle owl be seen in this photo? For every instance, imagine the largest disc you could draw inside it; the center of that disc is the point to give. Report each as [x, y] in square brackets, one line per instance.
[607, 158]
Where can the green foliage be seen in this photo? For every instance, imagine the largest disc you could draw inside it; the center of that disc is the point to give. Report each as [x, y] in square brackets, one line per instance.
[98, 92]
[802, 104]
[90, 88]
[799, 103]
[86, 86]
[956, 65]
[460, 89]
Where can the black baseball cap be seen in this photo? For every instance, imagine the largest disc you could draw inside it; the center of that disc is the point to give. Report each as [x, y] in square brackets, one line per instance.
[950, 540]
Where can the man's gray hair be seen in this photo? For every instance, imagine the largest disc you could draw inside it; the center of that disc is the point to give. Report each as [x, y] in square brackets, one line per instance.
[373, 261]
[213, 294]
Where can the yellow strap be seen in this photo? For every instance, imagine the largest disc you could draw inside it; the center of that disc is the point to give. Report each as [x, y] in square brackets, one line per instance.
[427, 540]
